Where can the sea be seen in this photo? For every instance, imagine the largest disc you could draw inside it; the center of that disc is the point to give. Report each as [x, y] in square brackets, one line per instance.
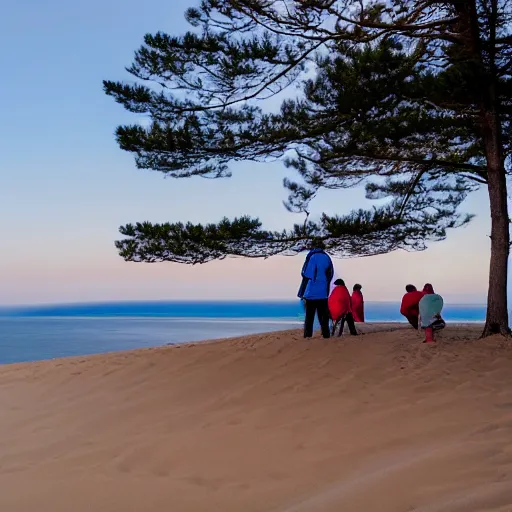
[33, 333]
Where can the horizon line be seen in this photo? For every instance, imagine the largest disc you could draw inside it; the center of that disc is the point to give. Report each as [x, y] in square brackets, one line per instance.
[191, 301]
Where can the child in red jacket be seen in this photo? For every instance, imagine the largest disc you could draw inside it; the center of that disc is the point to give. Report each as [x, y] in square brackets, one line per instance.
[410, 305]
[340, 308]
[358, 303]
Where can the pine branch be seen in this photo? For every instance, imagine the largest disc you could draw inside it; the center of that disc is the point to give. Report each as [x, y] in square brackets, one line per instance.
[390, 96]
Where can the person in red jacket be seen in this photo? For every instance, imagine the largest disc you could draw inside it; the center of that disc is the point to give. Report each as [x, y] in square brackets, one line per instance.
[340, 308]
[410, 305]
[358, 303]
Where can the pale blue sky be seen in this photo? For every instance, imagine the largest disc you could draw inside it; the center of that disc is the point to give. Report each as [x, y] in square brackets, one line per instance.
[65, 186]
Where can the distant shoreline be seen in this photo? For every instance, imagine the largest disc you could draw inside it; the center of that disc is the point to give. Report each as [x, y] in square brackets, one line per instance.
[46, 305]
[199, 319]
[291, 310]
[31, 339]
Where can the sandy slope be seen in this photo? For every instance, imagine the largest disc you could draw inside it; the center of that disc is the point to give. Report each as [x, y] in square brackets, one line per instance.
[263, 423]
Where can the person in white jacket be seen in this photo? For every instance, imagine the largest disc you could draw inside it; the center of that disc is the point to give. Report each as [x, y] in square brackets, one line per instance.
[431, 306]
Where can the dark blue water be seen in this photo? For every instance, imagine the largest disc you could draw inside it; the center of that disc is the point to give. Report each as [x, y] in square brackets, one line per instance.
[45, 332]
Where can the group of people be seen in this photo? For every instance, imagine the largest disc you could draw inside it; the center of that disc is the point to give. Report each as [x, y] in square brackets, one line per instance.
[423, 309]
[344, 307]
[337, 307]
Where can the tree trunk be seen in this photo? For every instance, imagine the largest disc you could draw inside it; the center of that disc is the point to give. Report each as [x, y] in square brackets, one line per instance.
[490, 109]
[497, 308]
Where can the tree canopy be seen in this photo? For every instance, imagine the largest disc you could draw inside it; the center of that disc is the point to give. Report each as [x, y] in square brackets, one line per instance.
[409, 98]
[386, 100]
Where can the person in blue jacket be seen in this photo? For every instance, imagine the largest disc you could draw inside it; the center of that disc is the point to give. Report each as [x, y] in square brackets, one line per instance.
[317, 274]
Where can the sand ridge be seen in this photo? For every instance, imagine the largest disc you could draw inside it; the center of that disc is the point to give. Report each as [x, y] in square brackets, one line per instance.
[264, 423]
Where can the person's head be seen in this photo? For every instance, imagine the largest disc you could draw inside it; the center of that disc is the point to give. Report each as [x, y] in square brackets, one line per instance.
[428, 289]
[317, 243]
[339, 282]
[357, 288]
[410, 288]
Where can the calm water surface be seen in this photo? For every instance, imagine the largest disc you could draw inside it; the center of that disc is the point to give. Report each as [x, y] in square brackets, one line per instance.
[35, 333]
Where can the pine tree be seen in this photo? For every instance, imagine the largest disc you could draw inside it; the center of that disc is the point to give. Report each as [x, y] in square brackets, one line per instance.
[412, 99]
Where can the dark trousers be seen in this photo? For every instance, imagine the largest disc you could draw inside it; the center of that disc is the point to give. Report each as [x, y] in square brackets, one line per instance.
[321, 309]
[349, 318]
[413, 320]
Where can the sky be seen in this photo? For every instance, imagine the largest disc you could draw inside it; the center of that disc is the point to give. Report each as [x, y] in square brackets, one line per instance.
[66, 187]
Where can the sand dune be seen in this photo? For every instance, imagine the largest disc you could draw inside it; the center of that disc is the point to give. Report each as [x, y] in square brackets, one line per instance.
[264, 423]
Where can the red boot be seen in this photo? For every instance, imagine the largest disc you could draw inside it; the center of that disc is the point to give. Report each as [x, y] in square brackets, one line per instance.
[429, 335]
